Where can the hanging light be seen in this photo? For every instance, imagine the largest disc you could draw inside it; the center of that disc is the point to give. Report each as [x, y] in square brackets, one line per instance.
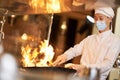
[91, 19]
[78, 2]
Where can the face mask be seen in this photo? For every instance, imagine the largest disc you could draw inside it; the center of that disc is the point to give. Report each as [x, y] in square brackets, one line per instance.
[101, 25]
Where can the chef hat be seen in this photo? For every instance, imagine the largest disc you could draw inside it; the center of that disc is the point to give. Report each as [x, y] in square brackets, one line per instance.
[107, 11]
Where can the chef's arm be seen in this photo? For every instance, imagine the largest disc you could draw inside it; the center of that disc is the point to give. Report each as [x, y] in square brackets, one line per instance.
[75, 51]
[69, 54]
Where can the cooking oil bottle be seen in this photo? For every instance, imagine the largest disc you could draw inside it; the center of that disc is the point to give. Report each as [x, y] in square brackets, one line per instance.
[94, 74]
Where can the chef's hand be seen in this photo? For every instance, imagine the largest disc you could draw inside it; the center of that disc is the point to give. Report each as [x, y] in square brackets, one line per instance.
[77, 67]
[81, 69]
[60, 60]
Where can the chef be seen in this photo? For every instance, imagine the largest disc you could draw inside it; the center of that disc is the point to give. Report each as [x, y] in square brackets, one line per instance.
[98, 50]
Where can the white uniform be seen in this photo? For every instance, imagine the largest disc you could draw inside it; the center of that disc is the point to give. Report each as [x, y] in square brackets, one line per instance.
[99, 50]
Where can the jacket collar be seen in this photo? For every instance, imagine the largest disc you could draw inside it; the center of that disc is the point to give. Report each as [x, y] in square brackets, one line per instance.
[104, 35]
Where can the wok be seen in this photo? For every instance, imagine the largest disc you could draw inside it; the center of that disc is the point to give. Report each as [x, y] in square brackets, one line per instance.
[46, 73]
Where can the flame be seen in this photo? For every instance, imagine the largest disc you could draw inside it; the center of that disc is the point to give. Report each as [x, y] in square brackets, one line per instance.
[39, 56]
[49, 6]
[37, 4]
[53, 6]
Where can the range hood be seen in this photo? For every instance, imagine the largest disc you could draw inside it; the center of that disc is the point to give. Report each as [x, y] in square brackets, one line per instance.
[17, 7]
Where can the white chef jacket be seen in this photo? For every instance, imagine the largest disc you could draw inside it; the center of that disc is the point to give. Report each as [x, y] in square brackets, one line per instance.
[98, 50]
